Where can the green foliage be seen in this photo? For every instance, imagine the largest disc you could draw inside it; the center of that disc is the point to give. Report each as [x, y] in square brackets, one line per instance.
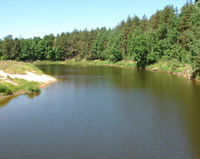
[33, 89]
[99, 45]
[5, 90]
[138, 48]
[198, 76]
[172, 66]
[115, 55]
[112, 50]
[18, 85]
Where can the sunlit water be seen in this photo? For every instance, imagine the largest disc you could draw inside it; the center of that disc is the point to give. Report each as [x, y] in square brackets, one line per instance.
[100, 112]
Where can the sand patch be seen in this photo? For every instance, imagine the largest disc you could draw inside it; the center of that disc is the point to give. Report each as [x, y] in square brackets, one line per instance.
[29, 76]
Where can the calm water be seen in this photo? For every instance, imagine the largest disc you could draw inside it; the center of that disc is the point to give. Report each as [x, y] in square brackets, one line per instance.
[98, 112]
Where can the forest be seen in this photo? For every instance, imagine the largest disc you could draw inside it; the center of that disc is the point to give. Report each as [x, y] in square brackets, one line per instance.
[168, 35]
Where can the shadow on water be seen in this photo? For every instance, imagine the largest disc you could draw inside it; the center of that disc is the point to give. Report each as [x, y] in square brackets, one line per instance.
[32, 95]
[170, 87]
[5, 101]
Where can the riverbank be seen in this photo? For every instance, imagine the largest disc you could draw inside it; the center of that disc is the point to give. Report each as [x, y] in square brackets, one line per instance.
[20, 78]
[172, 67]
[86, 62]
[175, 67]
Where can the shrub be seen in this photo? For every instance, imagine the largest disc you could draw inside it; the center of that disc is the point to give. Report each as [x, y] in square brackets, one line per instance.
[5, 90]
[33, 89]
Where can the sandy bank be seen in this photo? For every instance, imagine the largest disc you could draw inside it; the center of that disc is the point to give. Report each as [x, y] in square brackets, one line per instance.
[43, 79]
[29, 76]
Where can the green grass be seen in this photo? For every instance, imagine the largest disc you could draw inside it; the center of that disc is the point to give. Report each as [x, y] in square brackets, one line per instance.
[18, 85]
[5, 90]
[86, 62]
[10, 86]
[23, 85]
[14, 67]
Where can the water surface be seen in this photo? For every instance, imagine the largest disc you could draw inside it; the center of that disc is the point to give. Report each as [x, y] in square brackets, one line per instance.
[104, 112]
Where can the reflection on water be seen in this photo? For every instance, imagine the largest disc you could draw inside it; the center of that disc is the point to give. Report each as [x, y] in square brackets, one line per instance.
[6, 100]
[32, 95]
[104, 112]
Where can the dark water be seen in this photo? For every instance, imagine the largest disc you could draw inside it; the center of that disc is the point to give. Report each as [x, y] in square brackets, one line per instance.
[99, 112]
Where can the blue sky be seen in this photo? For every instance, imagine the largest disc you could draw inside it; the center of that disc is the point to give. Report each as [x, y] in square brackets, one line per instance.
[29, 18]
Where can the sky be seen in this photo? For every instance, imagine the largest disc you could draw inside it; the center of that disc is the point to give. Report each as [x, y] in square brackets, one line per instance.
[29, 18]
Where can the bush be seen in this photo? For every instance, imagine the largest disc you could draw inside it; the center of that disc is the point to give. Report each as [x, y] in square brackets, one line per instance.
[33, 89]
[5, 90]
[115, 56]
[198, 75]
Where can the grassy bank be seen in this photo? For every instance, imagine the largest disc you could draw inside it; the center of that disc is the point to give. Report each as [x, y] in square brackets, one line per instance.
[14, 67]
[12, 86]
[18, 85]
[86, 62]
[173, 66]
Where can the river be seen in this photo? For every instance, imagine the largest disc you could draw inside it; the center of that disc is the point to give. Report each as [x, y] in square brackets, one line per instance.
[101, 112]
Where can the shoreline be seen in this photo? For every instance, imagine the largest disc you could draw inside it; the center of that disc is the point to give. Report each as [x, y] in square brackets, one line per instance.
[42, 79]
[24, 92]
[174, 73]
[47, 80]
[127, 64]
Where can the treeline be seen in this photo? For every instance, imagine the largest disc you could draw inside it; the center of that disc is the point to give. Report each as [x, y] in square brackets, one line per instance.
[169, 34]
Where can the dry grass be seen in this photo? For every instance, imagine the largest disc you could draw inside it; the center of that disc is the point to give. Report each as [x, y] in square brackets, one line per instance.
[14, 67]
